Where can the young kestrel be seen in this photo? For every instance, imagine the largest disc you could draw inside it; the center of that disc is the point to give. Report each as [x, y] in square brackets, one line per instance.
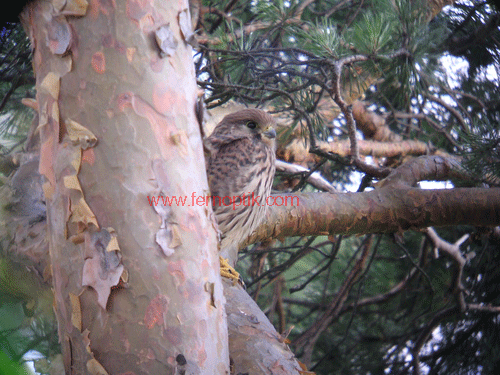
[240, 173]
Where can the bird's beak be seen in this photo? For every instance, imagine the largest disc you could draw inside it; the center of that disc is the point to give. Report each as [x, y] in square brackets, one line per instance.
[270, 132]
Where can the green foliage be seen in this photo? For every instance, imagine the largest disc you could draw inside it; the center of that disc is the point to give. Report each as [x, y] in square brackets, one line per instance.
[26, 320]
[22, 331]
[469, 343]
[374, 32]
[321, 39]
[284, 55]
[8, 367]
[474, 34]
[315, 268]
[26, 316]
[481, 150]
[480, 143]
[16, 83]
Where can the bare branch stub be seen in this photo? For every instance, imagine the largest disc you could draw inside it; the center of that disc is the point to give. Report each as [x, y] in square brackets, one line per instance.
[453, 251]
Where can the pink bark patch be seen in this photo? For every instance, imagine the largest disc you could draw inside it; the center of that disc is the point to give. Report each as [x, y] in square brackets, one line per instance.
[156, 64]
[47, 159]
[88, 156]
[202, 355]
[99, 62]
[143, 14]
[162, 125]
[177, 270]
[164, 98]
[101, 6]
[156, 311]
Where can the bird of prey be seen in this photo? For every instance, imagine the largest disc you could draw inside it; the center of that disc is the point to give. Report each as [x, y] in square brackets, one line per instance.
[240, 169]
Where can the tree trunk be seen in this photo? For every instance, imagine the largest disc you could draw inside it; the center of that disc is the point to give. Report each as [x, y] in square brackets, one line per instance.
[136, 287]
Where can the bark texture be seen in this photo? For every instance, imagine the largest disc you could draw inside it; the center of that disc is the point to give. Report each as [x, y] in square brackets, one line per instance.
[255, 346]
[136, 285]
[394, 205]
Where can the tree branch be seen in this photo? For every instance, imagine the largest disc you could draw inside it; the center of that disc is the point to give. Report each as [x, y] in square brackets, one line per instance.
[314, 179]
[393, 206]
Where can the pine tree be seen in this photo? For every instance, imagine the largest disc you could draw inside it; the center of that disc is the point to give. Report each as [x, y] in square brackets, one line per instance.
[393, 278]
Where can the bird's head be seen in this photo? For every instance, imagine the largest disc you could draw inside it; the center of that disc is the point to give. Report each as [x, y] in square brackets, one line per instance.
[248, 123]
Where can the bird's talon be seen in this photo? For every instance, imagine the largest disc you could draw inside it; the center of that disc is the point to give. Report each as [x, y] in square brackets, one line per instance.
[230, 273]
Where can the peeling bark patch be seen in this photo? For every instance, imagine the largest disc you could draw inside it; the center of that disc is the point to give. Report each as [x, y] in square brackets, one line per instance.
[46, 169]
[162, 238]
[59, 36]
[210, 289]
[80, 135]
[81, 214]
[49, 127]
[168, 236]
[76, 311]
[51, 85]
[165, 40]
[156, 311]
[187, 27]
[94, 367]
[102, 268]
[75, 8]
[98, 62]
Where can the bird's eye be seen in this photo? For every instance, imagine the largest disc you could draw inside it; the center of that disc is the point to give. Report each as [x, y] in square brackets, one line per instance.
[252, 124]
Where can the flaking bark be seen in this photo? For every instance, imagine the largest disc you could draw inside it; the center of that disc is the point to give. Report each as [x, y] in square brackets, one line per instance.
[135, 288]
[394, 205]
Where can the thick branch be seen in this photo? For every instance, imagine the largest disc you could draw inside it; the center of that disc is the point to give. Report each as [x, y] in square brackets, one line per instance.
[255, 346]
[433, 168]
[389, 209]
[297, 152]
[373, 125]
